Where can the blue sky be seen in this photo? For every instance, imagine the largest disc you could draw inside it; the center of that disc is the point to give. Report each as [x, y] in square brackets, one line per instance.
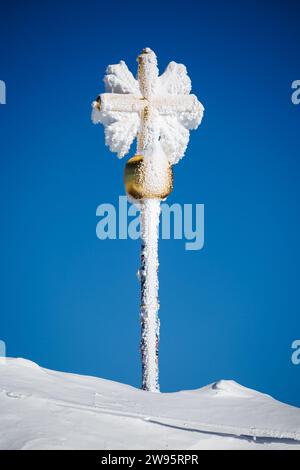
[70, 301]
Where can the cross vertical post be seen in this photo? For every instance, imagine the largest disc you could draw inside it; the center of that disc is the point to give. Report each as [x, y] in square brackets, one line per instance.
[149, 221]
[158, 111]
[150, 212]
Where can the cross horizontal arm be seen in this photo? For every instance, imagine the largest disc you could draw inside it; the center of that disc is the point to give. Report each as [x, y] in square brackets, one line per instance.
[117, 102]
[173, 104]
[165, 105]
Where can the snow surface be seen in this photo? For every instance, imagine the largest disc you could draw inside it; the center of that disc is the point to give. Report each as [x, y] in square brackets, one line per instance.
[44, 409]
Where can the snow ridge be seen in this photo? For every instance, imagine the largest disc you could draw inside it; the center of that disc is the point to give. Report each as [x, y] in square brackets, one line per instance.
[44, 409]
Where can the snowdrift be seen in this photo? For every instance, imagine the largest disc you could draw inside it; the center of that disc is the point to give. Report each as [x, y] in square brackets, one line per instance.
[44, 409]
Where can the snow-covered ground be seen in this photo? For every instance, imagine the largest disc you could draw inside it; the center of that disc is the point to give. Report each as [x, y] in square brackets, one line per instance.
[44, 409]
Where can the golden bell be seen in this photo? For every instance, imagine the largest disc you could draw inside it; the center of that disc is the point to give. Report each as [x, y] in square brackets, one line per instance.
[136, 183]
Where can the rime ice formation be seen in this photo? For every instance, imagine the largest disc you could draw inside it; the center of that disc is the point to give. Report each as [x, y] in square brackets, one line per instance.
[174, 110]
[150, 213]
[159, 111]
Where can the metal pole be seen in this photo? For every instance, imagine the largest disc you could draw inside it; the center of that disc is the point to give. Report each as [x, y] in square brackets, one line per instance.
[150, 211]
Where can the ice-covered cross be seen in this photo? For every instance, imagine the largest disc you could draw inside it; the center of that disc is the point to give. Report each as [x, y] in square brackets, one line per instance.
[159, 111]
[153, 108]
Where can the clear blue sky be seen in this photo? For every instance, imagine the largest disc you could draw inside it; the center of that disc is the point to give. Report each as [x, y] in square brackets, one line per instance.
[70, 301]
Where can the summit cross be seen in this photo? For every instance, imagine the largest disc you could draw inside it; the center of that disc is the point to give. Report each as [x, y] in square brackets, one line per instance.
[159, 111]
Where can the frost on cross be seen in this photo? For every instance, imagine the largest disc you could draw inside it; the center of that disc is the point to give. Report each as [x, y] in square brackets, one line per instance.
[159, 111]
[174, 110]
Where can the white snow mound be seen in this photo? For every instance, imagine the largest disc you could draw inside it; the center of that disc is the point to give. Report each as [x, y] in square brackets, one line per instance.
[44, 409]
